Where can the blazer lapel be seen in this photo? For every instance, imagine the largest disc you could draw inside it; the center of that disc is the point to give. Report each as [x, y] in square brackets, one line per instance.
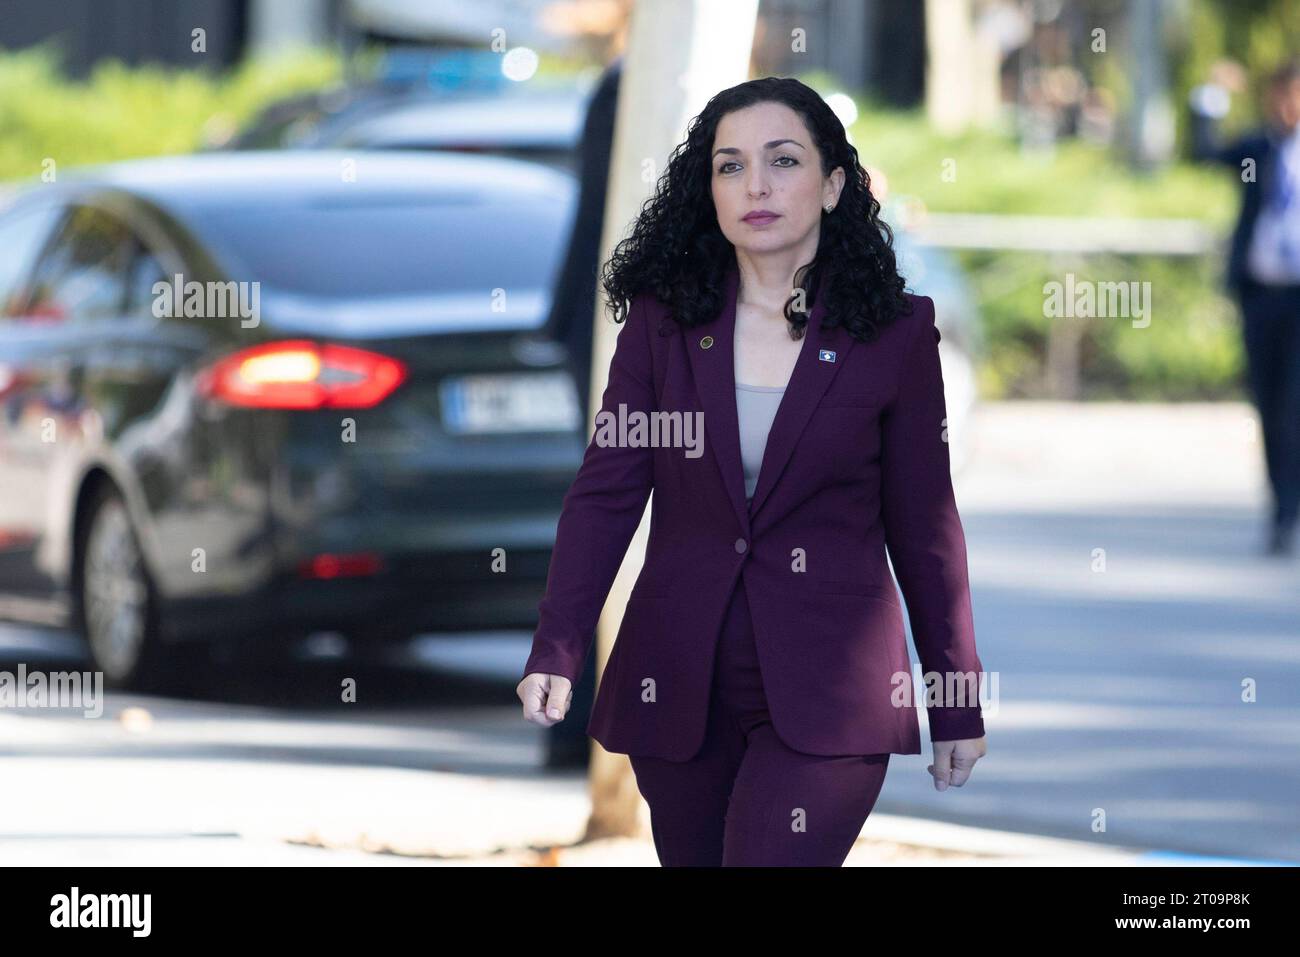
[711, 352]
[823, 354]
[714, 369]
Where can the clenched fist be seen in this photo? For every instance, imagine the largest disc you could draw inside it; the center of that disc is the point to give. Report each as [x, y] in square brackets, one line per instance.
[546, 698]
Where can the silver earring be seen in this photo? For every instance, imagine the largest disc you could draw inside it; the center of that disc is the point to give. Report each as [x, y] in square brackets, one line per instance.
[829, 207]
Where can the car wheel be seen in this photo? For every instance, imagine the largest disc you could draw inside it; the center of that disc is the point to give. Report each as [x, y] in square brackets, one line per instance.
[117, 605]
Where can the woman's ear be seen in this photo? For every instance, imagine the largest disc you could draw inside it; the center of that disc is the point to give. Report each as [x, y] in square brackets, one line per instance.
[837, 179]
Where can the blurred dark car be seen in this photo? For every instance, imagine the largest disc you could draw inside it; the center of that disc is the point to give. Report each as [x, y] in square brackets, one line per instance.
[380, 447]
[425, 98]
[543, 126]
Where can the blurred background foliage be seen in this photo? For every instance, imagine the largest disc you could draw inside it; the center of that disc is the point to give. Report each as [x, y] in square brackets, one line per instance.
[1189, 351]
[121, 112]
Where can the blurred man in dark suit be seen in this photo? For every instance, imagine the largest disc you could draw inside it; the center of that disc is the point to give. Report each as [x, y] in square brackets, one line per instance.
[1264, 274]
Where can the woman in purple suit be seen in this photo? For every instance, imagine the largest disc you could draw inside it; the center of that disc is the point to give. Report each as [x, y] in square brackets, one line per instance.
[781, 394]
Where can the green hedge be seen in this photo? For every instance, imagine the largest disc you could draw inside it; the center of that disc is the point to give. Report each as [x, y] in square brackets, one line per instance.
[121, 112]
[1191, 350]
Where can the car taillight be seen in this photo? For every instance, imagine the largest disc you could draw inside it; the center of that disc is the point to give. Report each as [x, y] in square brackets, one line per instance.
[340, 566]
[300, 374]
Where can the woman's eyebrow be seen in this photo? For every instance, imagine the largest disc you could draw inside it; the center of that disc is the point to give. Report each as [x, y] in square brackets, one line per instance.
[770, 144]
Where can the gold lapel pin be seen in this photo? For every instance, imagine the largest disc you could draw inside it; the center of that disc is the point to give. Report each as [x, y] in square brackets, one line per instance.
[706, 342]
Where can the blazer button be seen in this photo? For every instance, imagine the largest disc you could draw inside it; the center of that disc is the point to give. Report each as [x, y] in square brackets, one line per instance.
[741, 545]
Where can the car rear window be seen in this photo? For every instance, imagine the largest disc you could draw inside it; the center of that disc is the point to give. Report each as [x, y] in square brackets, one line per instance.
[391, 246]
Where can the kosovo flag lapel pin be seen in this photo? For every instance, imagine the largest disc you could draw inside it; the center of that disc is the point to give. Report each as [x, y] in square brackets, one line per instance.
[826, 355]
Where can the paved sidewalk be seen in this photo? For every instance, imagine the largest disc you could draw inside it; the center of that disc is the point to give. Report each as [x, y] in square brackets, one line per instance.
[555, 811]
[247, 812]
[887, 840]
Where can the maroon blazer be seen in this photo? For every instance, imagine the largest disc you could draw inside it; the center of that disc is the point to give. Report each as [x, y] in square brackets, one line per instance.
[856, 462]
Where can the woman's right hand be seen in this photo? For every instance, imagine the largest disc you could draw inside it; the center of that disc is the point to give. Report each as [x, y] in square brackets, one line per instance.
[546, 698]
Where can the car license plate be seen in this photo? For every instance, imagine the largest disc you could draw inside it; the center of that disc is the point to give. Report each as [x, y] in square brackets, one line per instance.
[510, 402]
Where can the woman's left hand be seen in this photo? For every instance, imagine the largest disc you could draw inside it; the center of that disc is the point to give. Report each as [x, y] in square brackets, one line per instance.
[954, 761]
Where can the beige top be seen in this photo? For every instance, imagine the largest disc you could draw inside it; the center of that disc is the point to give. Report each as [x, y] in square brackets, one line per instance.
[756, 407]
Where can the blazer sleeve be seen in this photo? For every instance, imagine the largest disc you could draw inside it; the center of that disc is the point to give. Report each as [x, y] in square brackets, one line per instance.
[599, 515]
[923, 533]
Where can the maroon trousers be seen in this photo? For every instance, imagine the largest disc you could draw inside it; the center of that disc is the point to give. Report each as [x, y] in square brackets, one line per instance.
[745, 798]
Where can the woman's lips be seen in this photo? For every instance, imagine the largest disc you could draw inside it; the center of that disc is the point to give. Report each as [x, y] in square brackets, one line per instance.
[761, 219]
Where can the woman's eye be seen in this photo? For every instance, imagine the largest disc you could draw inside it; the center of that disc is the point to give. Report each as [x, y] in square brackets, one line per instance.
[793, 162]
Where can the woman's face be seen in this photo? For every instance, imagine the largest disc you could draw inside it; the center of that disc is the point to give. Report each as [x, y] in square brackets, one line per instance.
[763, 158]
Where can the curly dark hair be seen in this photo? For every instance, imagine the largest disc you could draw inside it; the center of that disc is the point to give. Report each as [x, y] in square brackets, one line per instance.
[677, 252]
